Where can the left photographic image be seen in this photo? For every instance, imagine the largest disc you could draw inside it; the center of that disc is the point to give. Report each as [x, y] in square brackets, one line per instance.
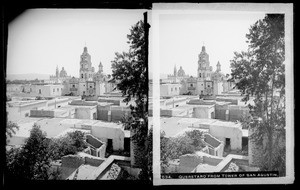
[77, 95]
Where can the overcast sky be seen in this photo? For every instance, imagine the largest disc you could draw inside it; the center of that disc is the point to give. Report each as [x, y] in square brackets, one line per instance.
[41, 39]
[181, 37]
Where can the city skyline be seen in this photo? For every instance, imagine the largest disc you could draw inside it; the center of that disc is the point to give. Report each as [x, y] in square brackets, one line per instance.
[181, 37]
[39, 40]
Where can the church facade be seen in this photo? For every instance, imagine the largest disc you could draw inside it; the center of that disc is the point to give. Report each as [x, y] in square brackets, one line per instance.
[89, 82]
[207, 82]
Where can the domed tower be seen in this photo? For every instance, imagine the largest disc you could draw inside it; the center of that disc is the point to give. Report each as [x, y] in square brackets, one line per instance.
[86, 70]
[204, 69]
[100, 68]
[181, 72]
[218, 75]
[57, 72]
[100, 81]
[63, 73]
[218, 67]
[175, 71]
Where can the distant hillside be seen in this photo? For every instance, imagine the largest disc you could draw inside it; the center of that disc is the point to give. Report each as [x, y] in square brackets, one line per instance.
[29, 76]
[33, 76]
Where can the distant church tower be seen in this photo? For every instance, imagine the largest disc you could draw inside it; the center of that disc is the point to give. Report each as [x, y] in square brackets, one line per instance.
[100, 68]
[57, 72]
[100, 81]
[86, 70]
[218, 67]
[175, 71]
[204, 69]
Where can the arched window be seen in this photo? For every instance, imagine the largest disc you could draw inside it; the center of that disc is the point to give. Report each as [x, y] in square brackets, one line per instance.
[82, 76]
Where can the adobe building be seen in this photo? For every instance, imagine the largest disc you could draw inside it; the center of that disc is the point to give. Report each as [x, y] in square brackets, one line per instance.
[230, 133]
[43, 90]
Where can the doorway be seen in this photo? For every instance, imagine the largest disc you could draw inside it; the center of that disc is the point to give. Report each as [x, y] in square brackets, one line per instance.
[212, 115]
[127, 146]
[109, 147]
[227, 143]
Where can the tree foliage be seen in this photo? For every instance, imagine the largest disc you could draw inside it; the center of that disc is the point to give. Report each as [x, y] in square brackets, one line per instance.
[129, 72]
[32, 161]
[10, 129]
[174, 147]
[260, 73]
[72, 143]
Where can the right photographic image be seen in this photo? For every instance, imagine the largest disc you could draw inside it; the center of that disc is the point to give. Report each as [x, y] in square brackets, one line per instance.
[226, 93]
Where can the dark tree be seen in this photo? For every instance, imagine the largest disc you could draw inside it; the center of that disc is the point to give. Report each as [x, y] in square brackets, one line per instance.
[174, 147]
[72, 143]
[197, 138]
[260, 73]
[10, 129]
[32, 161]
[129, 72]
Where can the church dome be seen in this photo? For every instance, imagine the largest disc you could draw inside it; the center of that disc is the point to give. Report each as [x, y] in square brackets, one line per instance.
[63, 73]
[181, 72]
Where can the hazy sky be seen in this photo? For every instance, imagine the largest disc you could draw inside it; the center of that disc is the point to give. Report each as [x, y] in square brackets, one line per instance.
[41, 39]
[181, 37]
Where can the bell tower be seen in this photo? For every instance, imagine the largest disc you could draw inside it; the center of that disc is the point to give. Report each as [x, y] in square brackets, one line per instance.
[218, 67]
[203, 64]
[86, 70]
[100, 67]
[57, 72]
[175, 71]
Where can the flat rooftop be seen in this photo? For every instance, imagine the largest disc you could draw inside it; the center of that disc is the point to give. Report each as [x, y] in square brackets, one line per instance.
[70, 130]
[107, 124]
[105, 103]
[56, 126]
[25, 126]
[174, 125]
[204, 106]
[26, 120]
[170, 125]
[25, 103]
[52, 126]
[183, 107]
[226, 124]
[81, 106]
[64, 108]
[221, 103]
[190, 129]
[83, 172]
[110, 98]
